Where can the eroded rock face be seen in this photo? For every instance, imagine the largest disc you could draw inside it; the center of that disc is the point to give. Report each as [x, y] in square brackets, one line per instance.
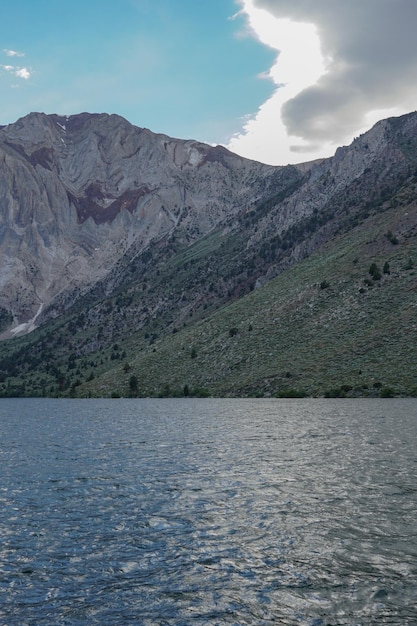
[76, 192]
[79, 194]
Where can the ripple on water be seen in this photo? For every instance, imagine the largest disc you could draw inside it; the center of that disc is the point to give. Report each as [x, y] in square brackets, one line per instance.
[208, 512]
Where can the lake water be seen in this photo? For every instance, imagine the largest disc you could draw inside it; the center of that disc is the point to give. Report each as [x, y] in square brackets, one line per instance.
[208, 512]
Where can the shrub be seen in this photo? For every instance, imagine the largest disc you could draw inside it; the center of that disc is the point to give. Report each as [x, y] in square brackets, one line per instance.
[375, 272]
[391, 238]
[290, 393]
[200, 392]
[133, 384]
[335, 393]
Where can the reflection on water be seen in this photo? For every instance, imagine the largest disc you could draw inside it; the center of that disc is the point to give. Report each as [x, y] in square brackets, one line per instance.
[189, 512]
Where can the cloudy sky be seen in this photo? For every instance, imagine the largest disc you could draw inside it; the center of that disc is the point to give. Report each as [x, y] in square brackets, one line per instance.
[280, 81]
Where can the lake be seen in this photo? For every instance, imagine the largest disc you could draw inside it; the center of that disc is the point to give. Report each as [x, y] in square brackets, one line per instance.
[208, 512]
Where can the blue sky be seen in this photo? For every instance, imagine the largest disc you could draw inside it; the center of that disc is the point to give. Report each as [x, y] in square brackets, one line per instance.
[278, 81]
[181, 67]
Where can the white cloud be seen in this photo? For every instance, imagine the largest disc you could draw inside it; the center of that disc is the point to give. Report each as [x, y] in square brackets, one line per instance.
[339, 69]
[23, 72]
[298, 64]
[19, 72]
[13, 53]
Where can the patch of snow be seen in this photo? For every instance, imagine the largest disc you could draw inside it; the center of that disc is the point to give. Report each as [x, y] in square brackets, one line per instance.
[194, 156]
[19, 329]
[62, 126]
[39, 311]
[27, 327]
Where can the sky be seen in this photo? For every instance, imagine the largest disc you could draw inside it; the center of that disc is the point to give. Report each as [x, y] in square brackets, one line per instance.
[279, 81]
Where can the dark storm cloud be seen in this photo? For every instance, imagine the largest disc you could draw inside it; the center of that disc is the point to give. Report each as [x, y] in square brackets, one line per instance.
[370, 50]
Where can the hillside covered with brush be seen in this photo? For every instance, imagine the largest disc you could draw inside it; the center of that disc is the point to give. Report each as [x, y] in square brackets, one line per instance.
[303, 282]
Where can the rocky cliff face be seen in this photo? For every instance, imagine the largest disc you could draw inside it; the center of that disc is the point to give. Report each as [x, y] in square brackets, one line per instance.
[82, 197]
[374, 161]
[76, 192]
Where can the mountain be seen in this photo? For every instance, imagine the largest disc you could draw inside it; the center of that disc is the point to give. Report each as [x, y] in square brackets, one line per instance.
[78, 192]
[161, 266]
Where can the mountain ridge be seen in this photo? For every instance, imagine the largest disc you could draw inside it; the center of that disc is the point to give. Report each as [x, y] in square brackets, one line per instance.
[220, 228]
[96, 183]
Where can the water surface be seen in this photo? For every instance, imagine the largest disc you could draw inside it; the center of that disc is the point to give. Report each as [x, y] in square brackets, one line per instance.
[208, 512]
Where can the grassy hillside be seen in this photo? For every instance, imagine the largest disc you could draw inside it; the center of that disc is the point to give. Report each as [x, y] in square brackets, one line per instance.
[335, 324]
[177, 321]
[187, 315]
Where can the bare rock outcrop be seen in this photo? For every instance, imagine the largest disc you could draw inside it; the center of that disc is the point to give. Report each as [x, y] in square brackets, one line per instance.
[81, 196]
[76, 192]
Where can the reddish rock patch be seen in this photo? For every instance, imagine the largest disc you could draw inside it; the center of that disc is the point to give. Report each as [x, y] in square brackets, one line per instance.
[89, 204]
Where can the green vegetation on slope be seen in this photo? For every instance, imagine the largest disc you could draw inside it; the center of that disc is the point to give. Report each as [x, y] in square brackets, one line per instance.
[331, 325]
[340, 322]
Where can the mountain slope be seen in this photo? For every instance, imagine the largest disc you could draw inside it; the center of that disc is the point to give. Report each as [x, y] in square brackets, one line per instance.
[325, 326]
[77, 192]
[82, 197]
[330, 325]
[175, 313]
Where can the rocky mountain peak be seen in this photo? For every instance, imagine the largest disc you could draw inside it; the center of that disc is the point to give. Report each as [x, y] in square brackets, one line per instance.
[80, 193]
[77, 191]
